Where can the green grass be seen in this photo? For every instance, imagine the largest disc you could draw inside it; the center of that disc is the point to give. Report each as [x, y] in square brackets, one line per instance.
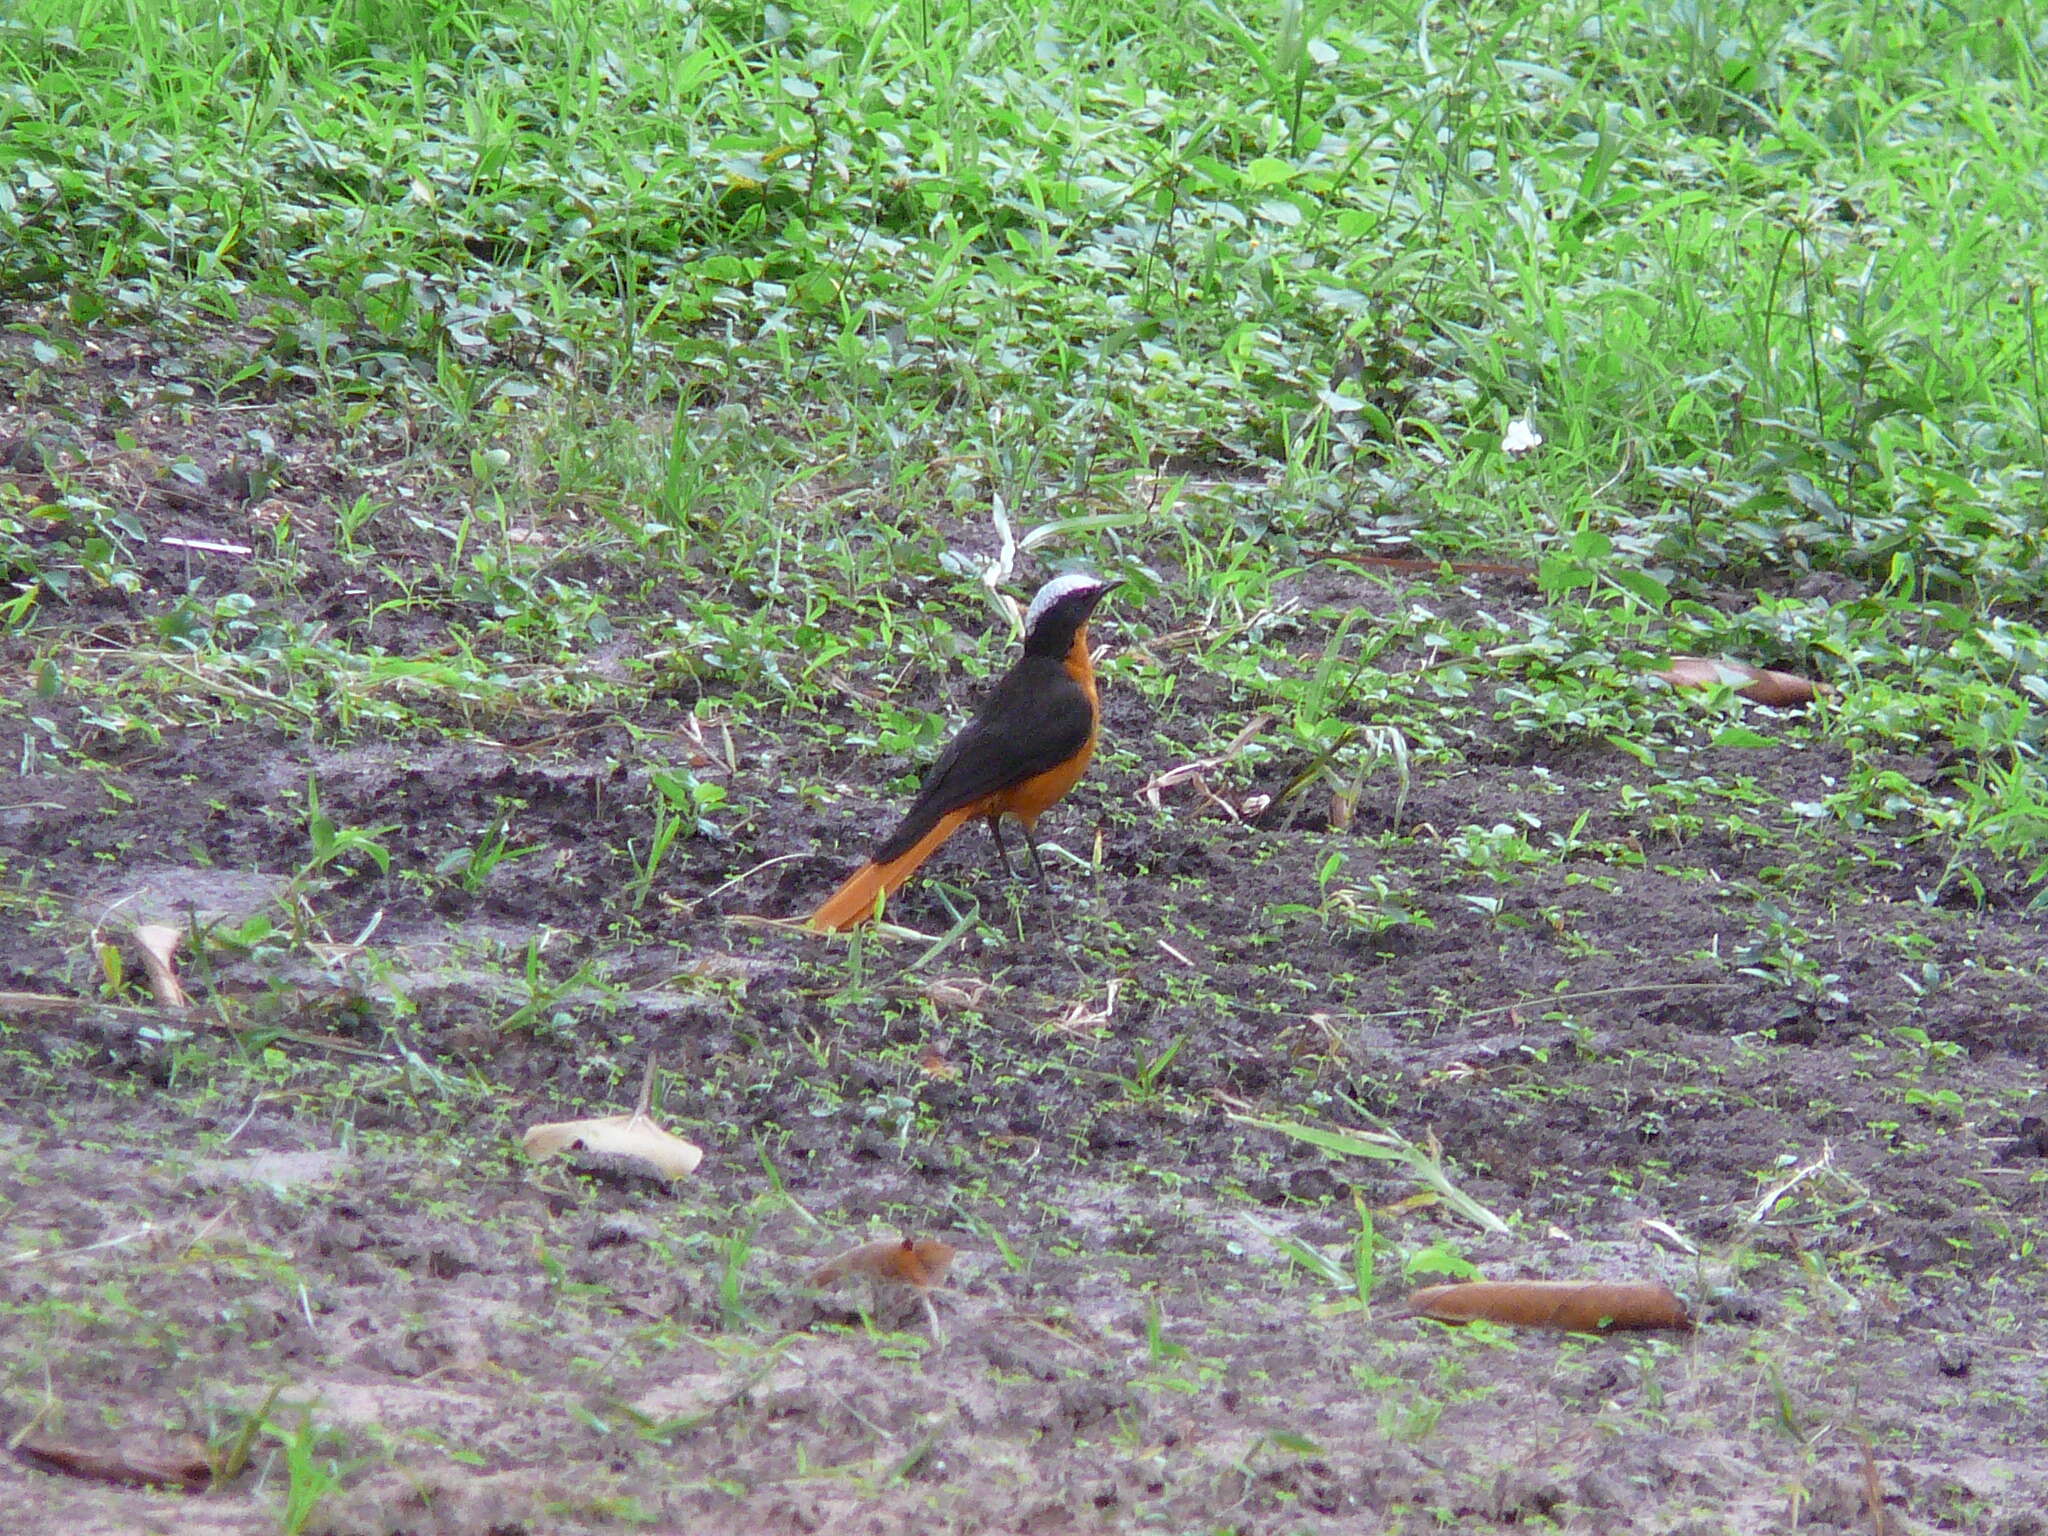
[786, 303]
[1778, 278]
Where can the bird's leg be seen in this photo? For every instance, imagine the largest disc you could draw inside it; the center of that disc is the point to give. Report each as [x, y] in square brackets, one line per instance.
[995, 830]
[1031, 842]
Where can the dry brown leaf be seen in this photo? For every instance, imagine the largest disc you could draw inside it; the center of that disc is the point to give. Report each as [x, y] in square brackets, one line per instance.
[1664, 1235]
[159, 906]
[919, 1263]
[131, 1468]
[635, 1136]
[1572, 1305]
[1753, 683]
[159, 945]
[1195, 772]
[1083, 1016]
[967, 993]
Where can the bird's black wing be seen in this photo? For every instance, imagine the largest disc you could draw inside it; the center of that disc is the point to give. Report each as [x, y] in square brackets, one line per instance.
[1036, 718]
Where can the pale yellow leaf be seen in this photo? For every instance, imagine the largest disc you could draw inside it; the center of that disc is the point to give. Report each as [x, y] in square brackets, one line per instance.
[635, 1136]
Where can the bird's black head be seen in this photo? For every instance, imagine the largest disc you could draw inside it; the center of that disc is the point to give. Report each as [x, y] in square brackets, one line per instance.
[1059, 610]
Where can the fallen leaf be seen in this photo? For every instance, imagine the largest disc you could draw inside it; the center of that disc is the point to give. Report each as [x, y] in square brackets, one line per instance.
[1195, 772]
[1082, 1016]
[1753, 683]
[1343, 807]
[159, 906]
[919, 1263]
[635, 1136]
[128, 1468]
[1664, 1235]
[159, 945]
[965, 993]
[1571, 1305]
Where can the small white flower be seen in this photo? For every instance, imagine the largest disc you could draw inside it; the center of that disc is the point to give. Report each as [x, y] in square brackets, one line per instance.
[1521, 437]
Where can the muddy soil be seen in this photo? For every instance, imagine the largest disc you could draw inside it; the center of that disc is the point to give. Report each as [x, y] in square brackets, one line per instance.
[1749, 1056]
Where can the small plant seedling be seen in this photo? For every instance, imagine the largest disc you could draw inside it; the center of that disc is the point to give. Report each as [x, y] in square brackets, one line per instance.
[681, 800]
[310, 1478]
[472, 866]
[331, 844]
[1142, 1086]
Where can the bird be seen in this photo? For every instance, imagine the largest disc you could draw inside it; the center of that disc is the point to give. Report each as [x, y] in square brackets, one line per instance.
[1026, 746]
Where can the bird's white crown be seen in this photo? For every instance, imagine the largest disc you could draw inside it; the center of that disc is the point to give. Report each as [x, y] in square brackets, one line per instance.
[1056, 589]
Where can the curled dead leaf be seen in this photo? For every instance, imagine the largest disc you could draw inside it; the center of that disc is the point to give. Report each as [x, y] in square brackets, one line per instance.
[1664, 1235]
[968, 993]
[1343, 808]
[1196, 772]
[634, 1136]
[1754, 683]
[158, 943]
[159, 907]
[1571, 1305]
[919, 1263]
[128, 1468]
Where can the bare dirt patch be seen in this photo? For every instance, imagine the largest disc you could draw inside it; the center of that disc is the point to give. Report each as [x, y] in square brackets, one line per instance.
[1746, 1033]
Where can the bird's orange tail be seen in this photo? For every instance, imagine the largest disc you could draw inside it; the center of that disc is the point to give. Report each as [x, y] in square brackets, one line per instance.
[854, 902]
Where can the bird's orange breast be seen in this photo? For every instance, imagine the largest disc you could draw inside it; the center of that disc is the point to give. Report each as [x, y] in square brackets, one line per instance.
[1035, 796]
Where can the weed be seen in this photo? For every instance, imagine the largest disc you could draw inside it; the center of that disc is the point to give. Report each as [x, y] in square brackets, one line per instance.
[681, 801]
[1142, 1086]
[310, 1477]
[472, 866]
[332, 845]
